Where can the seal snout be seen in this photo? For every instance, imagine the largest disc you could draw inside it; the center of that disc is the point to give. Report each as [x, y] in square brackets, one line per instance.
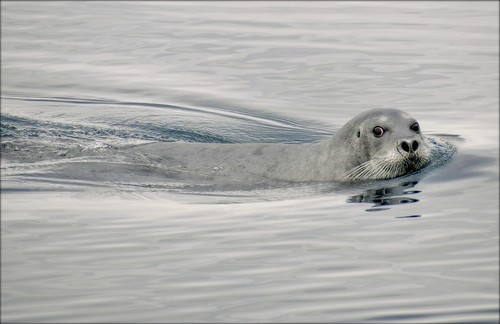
[409, 146]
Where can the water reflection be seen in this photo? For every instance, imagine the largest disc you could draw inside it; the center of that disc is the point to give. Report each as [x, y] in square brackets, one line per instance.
[388, 196]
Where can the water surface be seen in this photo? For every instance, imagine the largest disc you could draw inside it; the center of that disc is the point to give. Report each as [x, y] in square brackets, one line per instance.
[98, 246]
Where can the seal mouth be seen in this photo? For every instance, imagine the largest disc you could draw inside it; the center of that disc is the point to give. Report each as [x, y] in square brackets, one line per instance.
[381, 168]
[412, 164]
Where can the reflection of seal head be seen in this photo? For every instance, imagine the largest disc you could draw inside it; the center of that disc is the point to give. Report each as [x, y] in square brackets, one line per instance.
[378, 144]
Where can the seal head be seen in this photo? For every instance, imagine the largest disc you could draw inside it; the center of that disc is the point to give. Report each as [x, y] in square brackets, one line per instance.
[380, 144]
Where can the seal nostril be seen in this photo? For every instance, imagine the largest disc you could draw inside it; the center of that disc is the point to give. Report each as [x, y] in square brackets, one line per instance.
[414, 145]
[405, 147]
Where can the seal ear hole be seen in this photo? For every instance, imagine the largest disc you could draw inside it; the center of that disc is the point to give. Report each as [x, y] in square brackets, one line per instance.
[359, 133]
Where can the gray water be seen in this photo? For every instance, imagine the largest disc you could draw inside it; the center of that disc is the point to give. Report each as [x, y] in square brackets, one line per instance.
[103, 245]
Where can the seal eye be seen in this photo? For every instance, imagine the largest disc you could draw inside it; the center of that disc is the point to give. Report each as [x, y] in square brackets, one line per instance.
[415, 127]
[378, 131]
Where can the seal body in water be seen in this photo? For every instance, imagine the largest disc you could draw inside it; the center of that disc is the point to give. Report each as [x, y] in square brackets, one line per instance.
[376, 144]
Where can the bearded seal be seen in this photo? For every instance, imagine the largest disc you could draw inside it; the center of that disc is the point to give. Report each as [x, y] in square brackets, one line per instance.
[376, 144]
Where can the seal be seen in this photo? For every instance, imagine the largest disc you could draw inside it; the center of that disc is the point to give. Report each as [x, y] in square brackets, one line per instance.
[376, 144]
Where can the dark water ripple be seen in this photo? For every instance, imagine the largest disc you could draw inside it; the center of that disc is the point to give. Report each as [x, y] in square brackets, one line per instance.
[271, 128]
